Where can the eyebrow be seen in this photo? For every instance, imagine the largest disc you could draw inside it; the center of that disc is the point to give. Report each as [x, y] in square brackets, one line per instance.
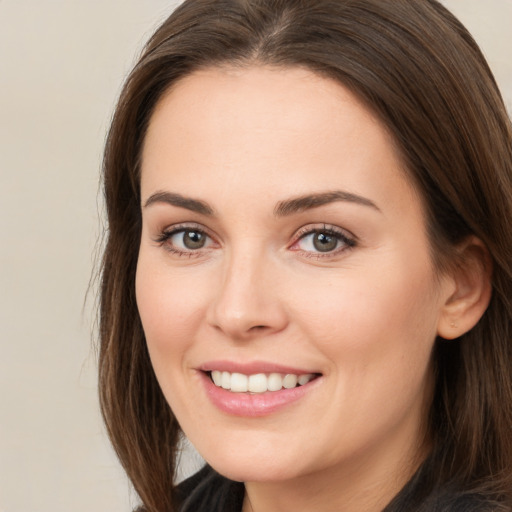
[282, 209]
[306, 202]
[194, 205]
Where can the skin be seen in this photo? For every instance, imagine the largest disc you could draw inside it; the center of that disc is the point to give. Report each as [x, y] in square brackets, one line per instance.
[364, 315]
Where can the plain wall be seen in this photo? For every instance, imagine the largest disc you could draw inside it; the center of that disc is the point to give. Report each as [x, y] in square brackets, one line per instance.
[62, 63]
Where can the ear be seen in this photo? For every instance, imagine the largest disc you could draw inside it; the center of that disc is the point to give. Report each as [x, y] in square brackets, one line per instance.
[470, 290]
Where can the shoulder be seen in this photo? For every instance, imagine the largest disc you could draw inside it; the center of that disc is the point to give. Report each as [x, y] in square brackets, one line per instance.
[462, 502]
[207, 491]
[421, 495]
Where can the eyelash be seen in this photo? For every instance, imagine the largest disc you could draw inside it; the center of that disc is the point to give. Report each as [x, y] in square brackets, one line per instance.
[347, 241]
[166, 235]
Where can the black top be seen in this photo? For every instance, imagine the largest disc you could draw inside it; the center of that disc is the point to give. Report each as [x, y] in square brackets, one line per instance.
[207, 491]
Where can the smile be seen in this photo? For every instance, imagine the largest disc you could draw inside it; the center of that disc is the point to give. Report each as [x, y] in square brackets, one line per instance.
[259, 382]
[254, 393]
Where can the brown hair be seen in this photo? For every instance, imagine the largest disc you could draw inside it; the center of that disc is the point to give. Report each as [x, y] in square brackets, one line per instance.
[421, 72]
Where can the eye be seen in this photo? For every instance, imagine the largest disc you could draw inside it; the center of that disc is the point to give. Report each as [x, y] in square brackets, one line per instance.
[185, 240]
[323, 241]
[189, 239]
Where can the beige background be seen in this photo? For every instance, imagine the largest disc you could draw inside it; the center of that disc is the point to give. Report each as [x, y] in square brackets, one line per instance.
[61, 66]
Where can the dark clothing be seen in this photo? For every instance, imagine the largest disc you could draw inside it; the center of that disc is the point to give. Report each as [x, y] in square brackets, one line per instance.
[207, 491]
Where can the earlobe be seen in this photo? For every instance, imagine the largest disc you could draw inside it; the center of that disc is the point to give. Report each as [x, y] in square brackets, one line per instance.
[470, 292]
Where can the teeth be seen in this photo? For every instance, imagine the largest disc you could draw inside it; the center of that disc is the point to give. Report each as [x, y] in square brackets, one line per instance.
[239, 383]
[217, 378]
[259, 382]
[303, 379]
[274, 382]
[225, 380]
[290, 381]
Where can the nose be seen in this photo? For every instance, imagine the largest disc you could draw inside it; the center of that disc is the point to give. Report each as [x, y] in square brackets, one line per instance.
[247, 303]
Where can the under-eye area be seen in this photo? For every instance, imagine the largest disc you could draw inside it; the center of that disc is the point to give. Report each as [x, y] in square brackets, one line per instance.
[259, 382]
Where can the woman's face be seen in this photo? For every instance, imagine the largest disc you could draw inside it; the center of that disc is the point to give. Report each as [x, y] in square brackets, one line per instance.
[283, 245]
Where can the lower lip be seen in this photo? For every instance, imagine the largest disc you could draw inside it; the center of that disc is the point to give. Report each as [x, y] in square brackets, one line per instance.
[257, 404]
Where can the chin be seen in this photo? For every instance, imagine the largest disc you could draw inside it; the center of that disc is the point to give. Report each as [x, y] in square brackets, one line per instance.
[264, 466]
[253, 471]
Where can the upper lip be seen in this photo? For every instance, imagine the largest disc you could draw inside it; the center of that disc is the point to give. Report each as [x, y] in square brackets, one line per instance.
[253, 367]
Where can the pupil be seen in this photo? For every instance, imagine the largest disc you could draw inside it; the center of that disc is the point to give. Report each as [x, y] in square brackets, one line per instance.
[324, 242]
[193, 240]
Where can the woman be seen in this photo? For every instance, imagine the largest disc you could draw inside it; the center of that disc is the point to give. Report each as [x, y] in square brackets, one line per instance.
[309, 266]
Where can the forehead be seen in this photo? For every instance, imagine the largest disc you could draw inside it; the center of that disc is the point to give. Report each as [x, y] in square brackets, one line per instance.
[265, 128]
[258, 101]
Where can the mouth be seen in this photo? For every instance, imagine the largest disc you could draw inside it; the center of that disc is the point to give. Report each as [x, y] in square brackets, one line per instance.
[258, 388]
[259, 383]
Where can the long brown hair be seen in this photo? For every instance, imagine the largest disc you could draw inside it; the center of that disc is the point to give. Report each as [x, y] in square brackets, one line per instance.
[417, 68]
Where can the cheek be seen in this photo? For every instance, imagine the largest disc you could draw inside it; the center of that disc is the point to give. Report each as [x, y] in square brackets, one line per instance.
[368, 318]
[171, 306]
[378, 341]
